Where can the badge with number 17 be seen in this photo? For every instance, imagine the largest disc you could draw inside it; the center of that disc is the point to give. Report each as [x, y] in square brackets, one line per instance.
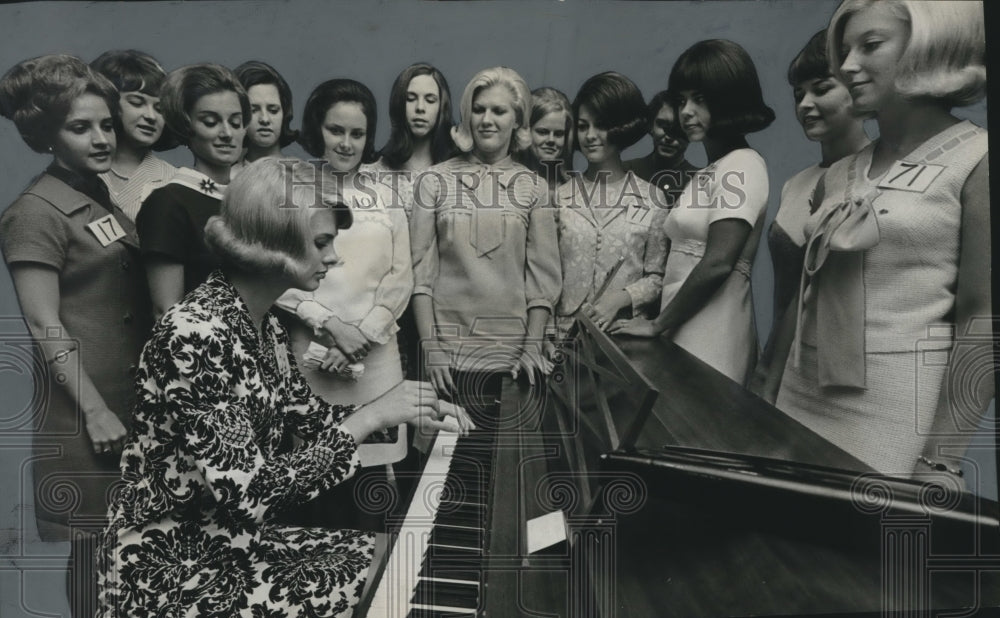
[106, 229]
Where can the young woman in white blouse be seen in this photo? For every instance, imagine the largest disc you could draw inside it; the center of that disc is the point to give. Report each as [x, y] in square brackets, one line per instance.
[353, 312]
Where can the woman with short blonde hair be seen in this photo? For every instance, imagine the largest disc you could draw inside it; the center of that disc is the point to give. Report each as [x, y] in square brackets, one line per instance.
[551, 151]
[485, 252]
[897, 259]
[205, 474]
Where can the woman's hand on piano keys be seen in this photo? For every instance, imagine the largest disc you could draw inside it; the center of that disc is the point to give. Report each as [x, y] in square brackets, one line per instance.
[441, 381]
[454, 419]
[408, 402]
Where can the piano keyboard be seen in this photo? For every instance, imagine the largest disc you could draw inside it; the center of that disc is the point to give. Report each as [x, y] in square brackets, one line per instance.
[435, 567]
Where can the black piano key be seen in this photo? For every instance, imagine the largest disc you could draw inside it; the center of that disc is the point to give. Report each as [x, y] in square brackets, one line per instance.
[452, 553]
[435, 613]
[462, 497]
[454, 514]
[454, 488]
[460, 537]
[446, 593]
[457, 570]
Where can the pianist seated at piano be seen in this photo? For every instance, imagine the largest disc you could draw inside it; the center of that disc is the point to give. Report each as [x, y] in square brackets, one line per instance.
[192, 528]
[714, 228]
[611, 238]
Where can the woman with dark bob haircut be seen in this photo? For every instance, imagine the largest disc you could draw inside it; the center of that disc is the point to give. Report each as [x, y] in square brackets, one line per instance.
[194, 528]
[73, 258]
[349, 321]
[826, 113]
[135, 171]
[270, 127]
[607, 213]
[207, 109]
[706, 305]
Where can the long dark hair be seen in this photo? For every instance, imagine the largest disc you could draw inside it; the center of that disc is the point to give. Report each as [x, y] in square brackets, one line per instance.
[399, 148]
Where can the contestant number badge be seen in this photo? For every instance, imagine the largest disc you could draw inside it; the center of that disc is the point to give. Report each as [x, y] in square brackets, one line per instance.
[106, 229]
[915, 177]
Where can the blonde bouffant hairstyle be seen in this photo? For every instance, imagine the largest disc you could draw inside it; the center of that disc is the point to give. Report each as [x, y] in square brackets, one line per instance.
[263, 224]
[944, 58]
[521, 102]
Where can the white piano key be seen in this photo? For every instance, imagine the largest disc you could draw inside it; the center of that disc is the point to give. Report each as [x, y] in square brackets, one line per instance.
[400, 577]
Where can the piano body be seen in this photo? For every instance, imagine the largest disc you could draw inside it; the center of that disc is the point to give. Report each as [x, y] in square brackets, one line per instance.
[655, 486]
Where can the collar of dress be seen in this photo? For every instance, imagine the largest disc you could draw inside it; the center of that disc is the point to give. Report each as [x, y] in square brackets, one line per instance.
[193, 179]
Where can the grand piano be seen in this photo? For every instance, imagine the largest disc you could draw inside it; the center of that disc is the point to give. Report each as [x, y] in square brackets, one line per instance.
[637, 481]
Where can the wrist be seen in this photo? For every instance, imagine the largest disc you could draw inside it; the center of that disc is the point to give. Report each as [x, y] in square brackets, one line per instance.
[332, 324]
[93, 410]
[312, 313]
[361, 424]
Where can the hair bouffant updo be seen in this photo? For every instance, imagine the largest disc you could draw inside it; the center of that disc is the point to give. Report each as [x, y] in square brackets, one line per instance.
[184, 86]
[263, 225]
[37, 94]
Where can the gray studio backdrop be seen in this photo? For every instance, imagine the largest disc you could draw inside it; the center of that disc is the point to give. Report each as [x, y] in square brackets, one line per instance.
[556, 44]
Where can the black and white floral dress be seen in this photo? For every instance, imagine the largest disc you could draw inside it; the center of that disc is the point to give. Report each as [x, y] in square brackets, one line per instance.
[191, 530]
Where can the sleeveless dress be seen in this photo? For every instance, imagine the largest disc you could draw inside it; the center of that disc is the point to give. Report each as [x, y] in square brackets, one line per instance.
[722, 333]
[786, 238]
[878, 399]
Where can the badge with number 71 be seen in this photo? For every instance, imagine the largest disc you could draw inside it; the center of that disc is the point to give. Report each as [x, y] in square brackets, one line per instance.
[106, 229]
[915, 177]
